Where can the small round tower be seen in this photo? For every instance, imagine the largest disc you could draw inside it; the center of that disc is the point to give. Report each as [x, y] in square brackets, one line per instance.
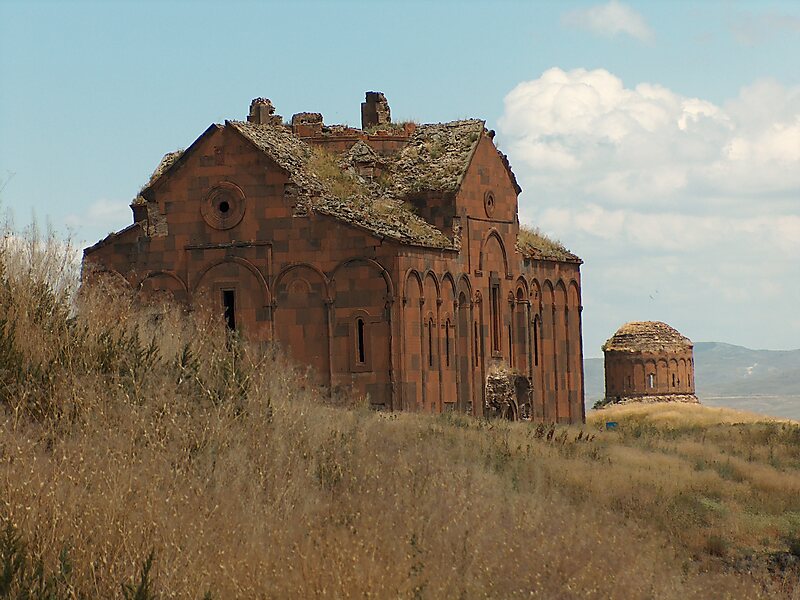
[649, 361]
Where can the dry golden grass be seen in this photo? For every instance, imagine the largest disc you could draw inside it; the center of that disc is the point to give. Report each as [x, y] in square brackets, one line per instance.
[532, 242]
[126, 430]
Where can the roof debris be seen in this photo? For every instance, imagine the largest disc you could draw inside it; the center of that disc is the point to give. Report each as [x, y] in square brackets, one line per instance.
[370, 190]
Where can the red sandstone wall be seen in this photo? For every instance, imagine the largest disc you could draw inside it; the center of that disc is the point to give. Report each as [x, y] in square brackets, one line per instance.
[308, 281]
[537, 333]
[628, 374]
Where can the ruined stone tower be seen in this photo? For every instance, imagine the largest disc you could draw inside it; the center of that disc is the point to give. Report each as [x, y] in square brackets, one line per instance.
[649, 361]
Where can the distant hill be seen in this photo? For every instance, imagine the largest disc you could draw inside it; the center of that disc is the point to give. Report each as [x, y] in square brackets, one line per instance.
[766, 381]
[728, 370]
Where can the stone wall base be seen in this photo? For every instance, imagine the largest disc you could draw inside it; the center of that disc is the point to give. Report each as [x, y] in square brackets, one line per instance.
[651, 399]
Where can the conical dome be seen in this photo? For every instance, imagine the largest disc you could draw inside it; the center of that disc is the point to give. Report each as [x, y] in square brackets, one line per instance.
[647, 336]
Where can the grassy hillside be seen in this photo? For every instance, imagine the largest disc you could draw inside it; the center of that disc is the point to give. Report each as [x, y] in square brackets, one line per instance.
[145, 454]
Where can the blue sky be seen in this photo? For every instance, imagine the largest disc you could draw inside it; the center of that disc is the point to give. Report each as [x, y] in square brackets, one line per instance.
[658, 140]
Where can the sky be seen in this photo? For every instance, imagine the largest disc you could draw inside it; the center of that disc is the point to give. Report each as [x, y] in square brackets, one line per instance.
[660, 141]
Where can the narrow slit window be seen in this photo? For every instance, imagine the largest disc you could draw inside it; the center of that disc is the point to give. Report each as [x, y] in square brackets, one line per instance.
[361, 351]
[536, 343]
[673, 380]
[430, 343]
[447, 342]
[229, 307]
[496, 318]
[510, 346]
[651, 380]
[475, 337]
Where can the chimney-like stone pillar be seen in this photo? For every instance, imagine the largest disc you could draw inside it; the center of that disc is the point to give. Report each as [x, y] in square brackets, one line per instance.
[263, 113]
[306, 124]
[375, 111]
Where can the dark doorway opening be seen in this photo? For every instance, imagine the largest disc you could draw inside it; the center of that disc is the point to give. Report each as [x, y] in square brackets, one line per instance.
[229, 305]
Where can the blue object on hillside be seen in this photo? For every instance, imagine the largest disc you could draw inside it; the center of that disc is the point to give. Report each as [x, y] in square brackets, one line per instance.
[611, 424]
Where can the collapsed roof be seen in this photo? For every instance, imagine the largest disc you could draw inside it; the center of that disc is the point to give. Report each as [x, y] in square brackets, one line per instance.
[433, 159]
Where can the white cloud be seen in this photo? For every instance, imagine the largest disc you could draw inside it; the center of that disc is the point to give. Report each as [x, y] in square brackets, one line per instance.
[104, 215]
[659, 191]
[610, 20]
[648, 143]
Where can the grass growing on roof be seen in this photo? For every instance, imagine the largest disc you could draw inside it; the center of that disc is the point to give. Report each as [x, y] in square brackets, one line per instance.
[341, 183]
[532, 242]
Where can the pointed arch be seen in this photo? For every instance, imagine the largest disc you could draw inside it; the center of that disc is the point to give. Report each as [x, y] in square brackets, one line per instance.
[448, 284]
[536, 295]
[430, 276]
[522, 284]
[413, 276]
[491, 237]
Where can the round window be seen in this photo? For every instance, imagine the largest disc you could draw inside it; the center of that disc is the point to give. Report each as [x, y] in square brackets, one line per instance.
[488, 203]
[223, 206]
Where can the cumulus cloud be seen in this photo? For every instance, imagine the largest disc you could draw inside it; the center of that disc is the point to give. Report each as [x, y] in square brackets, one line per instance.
[634, 145]
[609, 20]
[656, 190]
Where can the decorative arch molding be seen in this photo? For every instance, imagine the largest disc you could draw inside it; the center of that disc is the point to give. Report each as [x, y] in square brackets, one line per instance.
[268, 300]
[560, 292]
[493, 233]
[168, 274]
[548, 297]
[430, 274]
[464, 285]
[368, 261]
[411, 274]
[521, 284]
[284, 272]
[447, 277]
[536, 295]
[574, 294]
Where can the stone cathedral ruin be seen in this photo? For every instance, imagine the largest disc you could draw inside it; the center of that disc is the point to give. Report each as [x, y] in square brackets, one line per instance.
[389, 259]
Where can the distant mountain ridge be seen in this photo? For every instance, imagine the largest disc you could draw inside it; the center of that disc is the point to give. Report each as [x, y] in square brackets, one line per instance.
[730, 375]
[729, 370]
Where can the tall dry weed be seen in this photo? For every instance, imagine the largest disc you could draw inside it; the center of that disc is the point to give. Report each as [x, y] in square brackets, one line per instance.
[136, 436]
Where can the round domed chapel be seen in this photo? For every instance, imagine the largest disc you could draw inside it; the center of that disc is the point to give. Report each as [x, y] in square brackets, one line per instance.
[648, 361]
